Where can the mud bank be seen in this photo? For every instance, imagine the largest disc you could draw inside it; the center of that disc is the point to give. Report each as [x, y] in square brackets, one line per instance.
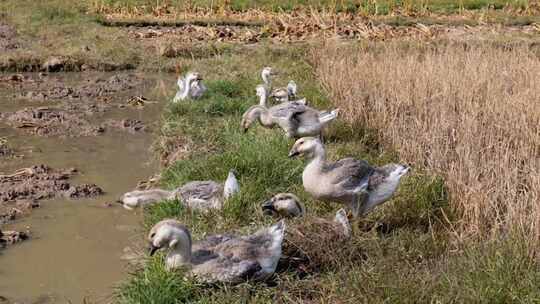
[21, 191]
[52, 119]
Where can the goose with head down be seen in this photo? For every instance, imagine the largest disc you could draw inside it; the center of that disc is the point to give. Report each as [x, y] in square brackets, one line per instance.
[349, 181]
[295, 118]
[219, 258]
[199, 195]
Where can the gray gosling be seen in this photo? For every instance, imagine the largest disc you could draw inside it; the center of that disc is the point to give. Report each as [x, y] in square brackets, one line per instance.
[293, 117]
[219, 258]
[199, 195]
[348, 181]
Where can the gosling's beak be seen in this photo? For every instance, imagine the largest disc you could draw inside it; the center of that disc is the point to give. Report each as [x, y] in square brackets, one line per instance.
[293, 153]
[153, 249]
[268, 207]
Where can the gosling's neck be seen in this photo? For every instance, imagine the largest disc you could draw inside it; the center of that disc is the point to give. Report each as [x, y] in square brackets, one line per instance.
[318, 159]
[262, 100]
[266, 79]
[261, 113]
[187, 87]
[180, 254]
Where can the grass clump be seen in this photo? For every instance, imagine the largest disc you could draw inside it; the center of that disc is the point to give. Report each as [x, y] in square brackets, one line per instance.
[154, 284]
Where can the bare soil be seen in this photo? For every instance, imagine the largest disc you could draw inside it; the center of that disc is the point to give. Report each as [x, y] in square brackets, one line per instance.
[8, 36]
[21, 190]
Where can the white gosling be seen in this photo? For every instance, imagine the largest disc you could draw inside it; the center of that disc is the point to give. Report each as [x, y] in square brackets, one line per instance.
[189, 87]
[349, 181]
[199, 195]
[295, 118]
[219, 258]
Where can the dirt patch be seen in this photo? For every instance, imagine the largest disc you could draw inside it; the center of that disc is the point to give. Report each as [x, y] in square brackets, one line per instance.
[46, 88]
[42, 182]
[5, 150]
[21, 191]
[8, 36]
[45, 121]
[129, 125]
[8, 238]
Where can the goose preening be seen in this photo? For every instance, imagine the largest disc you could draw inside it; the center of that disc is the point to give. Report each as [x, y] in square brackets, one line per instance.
[199, 195]
[295, 118]
[189, 87]
[349, 181]
[219, 258]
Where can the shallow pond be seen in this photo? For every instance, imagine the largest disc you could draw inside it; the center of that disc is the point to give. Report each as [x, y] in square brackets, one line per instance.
[76, 246]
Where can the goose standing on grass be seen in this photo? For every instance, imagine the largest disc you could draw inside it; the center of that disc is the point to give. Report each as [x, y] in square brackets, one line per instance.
[349, 181]
[189, 87]
[199, 195]
[219, 258]
[295, 118]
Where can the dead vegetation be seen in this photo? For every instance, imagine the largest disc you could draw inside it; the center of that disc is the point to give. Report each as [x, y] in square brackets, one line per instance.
[302, 24]
[313, 244]
[468, 113]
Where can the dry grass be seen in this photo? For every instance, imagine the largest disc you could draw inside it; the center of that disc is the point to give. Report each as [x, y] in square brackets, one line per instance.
[469, 113]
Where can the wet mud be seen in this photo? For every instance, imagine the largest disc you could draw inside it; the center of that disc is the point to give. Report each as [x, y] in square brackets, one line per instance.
[75, 105]
[25, 187]
[97, 123]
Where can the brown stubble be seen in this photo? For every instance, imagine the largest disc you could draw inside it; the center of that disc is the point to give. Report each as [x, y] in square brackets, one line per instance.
[470, 113]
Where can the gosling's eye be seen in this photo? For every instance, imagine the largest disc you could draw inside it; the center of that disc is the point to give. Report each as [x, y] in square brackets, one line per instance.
[152, 235]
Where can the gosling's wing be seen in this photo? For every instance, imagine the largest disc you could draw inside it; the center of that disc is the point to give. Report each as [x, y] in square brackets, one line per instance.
[197, 89]
[287, 109]
[226, 269]
[349, 173]
[210, 242]
[376, 178]
[203, 190]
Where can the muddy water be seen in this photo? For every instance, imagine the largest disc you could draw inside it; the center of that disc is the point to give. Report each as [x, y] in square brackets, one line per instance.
[76, 246]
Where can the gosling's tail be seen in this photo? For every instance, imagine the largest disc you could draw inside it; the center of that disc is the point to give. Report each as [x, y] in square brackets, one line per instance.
[327, 117]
